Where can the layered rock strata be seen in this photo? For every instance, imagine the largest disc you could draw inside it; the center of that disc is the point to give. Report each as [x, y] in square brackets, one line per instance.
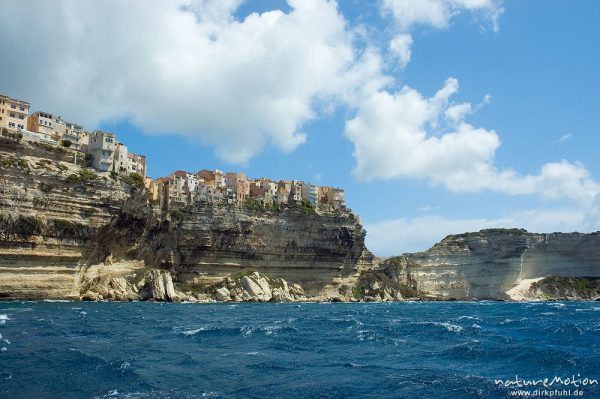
[489, 263]
[70, 232]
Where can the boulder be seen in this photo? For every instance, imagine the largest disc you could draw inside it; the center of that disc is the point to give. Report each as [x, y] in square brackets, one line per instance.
[161, 285]
[223, 294]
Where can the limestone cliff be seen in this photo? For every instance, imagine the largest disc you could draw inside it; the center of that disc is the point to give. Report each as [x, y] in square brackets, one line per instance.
[70, 232]
[202, 245]
[50, 209]
[488, 263]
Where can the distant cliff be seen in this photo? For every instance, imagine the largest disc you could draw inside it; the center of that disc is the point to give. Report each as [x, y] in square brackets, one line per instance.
[488, 263]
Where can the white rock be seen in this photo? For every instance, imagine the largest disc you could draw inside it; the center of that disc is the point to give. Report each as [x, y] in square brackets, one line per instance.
[222, 294]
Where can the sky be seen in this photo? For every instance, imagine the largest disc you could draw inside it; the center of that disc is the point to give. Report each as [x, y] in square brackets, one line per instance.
[435, 116]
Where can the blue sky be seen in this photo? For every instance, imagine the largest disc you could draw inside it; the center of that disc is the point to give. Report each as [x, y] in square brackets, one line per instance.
[316, 92]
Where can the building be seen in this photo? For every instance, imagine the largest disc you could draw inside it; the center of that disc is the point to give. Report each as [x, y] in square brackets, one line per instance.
[102, 147]
[13, 113]
[136, 164]
[296, 191]
[339, 202]
[57, 129]
[284, 190]
[208, 176]
[120, 159]
[264, 191]
[238, 183]
[310, 194]
[41, 123]
[78, 137]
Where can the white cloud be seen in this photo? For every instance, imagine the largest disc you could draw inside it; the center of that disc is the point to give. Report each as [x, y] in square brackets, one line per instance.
[187, 67]
[405, 135]
[564, 138]
[434, 13]
[400, 49]
[397, 236]
[438, 13]
[428, 208]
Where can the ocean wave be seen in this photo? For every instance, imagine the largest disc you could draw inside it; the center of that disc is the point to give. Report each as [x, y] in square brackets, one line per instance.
[3, 318]
[468, 318]
[448, 326]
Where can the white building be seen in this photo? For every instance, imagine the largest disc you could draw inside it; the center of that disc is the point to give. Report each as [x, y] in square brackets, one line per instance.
[309, 194]
[102, 147]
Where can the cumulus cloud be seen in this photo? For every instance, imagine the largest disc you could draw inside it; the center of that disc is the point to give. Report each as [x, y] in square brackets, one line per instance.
[397, 236]
[408, 14]
[438, 13]
[187, 67]
[406, 135]
[400, 48]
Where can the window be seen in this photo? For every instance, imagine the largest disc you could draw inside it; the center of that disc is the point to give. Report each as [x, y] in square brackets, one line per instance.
[12, 115]
[10, 124]
[21, 117]
[22, 108]
[13, 106]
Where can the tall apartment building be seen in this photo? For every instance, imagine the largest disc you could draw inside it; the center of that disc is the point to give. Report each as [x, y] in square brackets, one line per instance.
[102, 147]
[13, 113]
[238, 183]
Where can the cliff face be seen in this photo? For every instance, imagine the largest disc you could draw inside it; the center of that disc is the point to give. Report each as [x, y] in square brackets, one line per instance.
[66, 232]
[49, 211]
[488, 263]
[200, 246]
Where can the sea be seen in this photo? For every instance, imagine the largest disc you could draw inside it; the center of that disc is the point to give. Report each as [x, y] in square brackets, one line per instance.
[299, 350]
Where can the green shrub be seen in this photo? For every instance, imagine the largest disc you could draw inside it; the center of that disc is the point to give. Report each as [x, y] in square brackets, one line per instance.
[133, 179]
[305, 206]
[177, 214]
[66, 143]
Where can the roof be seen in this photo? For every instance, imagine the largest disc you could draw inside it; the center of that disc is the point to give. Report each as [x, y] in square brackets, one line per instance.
[14, 99]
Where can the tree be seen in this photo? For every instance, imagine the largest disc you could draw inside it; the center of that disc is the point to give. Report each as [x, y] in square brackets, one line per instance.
[66, 143]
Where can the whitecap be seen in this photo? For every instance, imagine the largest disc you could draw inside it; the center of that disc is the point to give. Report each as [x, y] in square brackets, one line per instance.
[124, 366]
[7, 341]
[468, 318]
[83, 312]
[557, 305]
[477, 326]
[447, 326]
[3, 318]
[193, 332]
[3, 349]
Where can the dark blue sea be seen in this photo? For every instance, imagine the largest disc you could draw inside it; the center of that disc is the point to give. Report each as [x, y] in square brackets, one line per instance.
[306, 350]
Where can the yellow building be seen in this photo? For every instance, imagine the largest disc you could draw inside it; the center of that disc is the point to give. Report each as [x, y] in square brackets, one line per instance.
[13, 113]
